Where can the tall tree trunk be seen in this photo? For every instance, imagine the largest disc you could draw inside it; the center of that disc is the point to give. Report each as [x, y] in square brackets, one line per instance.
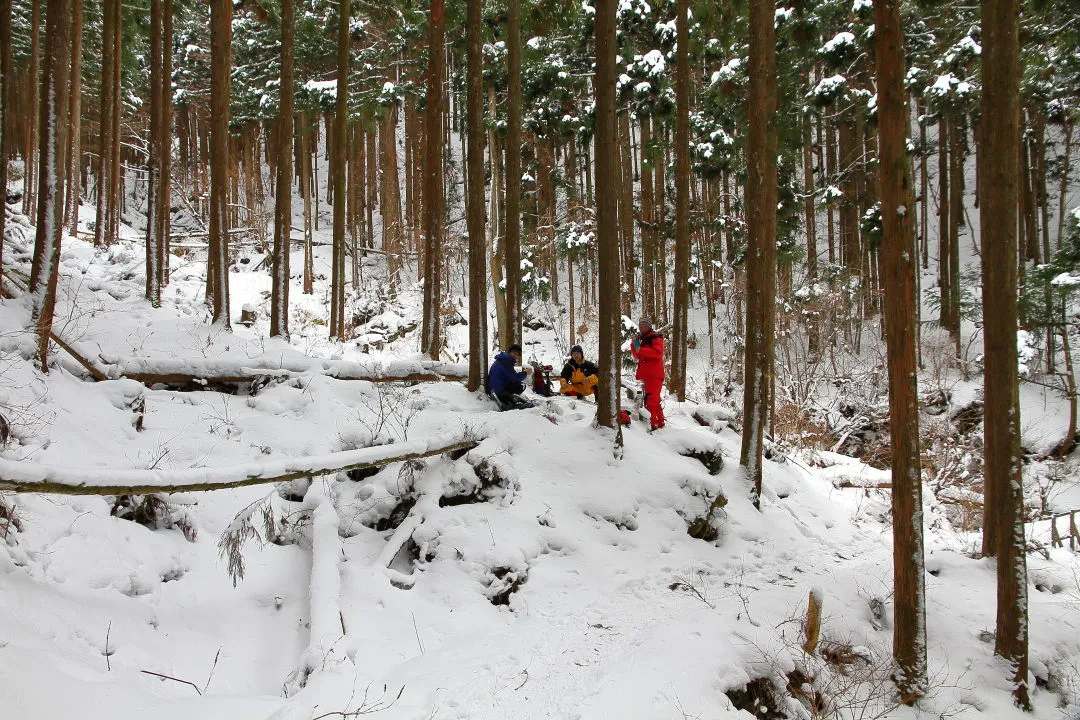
[677, 381]
[944, 219]
[283, 143]
[153, 169]
[115, 169]
[340, 169]
[52, 172]
[431, 339]
[626, 212]
[1063, 191]
[305, 193]
[512, 245]
[924, 192]
[105, 128]
[220, 70]
[495, 214]
[648, 225]
[1003, 533]
[607, 220]
[899, 266]
[165, 178]
[74, 151]
[30, 137]
[956, 207]
[390, 197]
[478, 314]
[813, 341]
[761, 196]
[6, 126]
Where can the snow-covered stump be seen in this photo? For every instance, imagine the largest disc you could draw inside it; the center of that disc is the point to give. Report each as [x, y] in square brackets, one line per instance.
[326, 647]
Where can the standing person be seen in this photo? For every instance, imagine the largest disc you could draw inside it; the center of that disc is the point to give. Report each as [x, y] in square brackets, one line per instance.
[648, 350]
[505, 382]
[580, 377]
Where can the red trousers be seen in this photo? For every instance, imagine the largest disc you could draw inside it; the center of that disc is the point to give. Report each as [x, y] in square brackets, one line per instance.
[652, 402]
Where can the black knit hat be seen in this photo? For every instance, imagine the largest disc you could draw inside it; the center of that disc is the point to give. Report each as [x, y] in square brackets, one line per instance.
[515, 348]
[577, 349]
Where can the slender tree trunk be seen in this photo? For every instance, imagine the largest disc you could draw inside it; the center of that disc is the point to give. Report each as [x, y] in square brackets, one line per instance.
[220, 70]
[431, 339]
[924, 192]
[305, 192]
[340, 170]
[677, 381]
[105, 129]
[74, 151]
[283, 143]
[115, 169]
[153, 169]
[165, 178]
[6, 125]
[607, 219]
[478, 314]
[626, 212]
[813, 341]
[761, 196]
[1063, 191]
[512, 245]
[899, 266]
[944, 215]
[1003, 533]
[32, 128]
[52, 172]
[648, 225]
[956, 208]
[389, 196]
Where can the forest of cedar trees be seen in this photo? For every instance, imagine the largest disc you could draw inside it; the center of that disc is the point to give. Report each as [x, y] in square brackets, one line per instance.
[788, 190]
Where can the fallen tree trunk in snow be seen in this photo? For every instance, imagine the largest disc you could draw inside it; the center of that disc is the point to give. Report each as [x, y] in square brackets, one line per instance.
[179, 371]
[24, 476]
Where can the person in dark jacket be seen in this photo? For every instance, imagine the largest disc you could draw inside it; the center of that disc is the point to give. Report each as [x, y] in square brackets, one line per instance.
[579, 376]
[504, 380]
[648, 350]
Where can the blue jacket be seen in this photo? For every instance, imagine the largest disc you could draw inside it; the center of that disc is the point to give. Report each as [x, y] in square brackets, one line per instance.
[503, 378]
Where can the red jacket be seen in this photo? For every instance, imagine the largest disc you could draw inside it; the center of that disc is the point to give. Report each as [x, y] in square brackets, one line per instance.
[650, 356]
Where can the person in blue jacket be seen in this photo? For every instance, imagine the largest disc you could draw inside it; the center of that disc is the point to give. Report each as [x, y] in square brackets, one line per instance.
[504, 380]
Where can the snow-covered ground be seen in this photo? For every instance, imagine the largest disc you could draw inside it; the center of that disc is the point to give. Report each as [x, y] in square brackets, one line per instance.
[534, 577]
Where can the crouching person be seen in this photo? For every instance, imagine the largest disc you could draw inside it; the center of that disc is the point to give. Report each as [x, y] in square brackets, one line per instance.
[505, 383]
[579, 376]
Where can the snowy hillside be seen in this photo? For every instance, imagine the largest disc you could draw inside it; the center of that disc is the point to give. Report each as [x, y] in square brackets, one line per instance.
[533, 576]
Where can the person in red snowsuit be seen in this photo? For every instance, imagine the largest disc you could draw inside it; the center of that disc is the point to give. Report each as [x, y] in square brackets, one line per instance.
[648, 349]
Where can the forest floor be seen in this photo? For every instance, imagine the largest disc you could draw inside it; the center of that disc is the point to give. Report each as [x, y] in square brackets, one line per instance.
[534, 577]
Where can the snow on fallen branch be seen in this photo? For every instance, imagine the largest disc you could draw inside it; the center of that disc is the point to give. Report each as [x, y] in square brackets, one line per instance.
[178, 370]
[24, 476]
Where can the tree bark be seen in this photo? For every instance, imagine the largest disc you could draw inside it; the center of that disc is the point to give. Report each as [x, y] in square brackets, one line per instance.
[761, 196]
[607, 220]
[220, 69]
[899, 266]
[680, 326]
[1003, 533]
[512, 244]
[74, 151]
[52, 172]
[153, 169]
[5, 112]
[340, 169]
[475, 192]
[431, 339]
[279, 293]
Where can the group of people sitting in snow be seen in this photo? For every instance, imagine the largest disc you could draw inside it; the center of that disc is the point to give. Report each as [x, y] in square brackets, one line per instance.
[579, 377]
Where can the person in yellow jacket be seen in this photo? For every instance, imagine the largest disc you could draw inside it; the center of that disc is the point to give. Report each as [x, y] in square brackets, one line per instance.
[579, 376]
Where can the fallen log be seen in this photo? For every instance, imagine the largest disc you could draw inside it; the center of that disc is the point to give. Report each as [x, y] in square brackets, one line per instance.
[24, 476]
